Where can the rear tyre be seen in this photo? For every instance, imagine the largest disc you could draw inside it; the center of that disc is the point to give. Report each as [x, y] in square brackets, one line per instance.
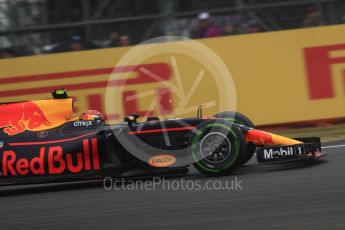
[240, 119]
[218, 147]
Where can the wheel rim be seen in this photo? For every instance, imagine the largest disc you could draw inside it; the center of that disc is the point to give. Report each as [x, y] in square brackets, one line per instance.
[215, 147]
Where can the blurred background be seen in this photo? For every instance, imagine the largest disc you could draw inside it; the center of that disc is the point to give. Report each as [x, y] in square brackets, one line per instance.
[35, 27]
[287, 63]
[286, 57]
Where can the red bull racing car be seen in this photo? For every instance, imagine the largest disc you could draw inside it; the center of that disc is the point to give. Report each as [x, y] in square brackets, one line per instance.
[41, 141]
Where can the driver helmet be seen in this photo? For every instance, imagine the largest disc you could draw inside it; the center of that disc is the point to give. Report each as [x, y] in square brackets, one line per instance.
[92, 115]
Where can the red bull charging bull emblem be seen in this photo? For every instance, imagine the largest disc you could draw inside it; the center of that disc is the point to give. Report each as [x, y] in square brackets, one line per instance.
[18, 117]
[259, 137]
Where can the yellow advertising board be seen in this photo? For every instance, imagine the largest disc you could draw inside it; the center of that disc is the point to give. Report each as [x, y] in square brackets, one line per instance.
[273, 77]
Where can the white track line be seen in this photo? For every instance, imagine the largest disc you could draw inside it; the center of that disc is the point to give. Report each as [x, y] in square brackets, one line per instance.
[332, 146]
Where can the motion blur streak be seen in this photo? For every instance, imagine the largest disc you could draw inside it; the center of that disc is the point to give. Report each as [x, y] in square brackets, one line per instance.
[296, 196]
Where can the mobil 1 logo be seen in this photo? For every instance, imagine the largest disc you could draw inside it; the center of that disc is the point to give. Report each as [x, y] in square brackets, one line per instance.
[279, 153]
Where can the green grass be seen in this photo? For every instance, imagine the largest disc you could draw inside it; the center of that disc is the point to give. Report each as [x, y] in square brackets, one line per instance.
[327, 133]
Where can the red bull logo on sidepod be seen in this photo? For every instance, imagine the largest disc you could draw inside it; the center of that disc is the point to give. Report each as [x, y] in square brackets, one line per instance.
[52, 160]
[18, 117]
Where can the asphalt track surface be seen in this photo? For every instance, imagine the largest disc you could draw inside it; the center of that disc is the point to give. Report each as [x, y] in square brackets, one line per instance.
[294, 196]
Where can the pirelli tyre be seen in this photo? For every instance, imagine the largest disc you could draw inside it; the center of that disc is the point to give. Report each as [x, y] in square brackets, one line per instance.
[235, 117]
[218, 147]
[240, 119]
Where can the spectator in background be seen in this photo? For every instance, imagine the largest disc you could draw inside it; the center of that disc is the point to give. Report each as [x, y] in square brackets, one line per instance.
[8, 53]
[124, 40]
[206, 27]
[113, 39]
[313, 17]
[231, 25]
[253, 27]
[76, 43]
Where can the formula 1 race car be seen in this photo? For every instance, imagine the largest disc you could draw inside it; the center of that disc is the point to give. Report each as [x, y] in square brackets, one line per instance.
[40, 141]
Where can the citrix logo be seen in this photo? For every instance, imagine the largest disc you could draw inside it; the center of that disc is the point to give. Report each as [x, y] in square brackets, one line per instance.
[82, 123]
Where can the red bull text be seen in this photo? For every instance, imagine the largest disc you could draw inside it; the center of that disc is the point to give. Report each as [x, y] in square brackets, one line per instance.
[52, 160]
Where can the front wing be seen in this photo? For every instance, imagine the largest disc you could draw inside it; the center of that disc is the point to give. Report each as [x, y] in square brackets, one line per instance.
[283, 153]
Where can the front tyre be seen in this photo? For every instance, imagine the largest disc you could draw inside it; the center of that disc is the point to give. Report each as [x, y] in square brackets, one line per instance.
[240, 119]
[218, 147]
[236, 117]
